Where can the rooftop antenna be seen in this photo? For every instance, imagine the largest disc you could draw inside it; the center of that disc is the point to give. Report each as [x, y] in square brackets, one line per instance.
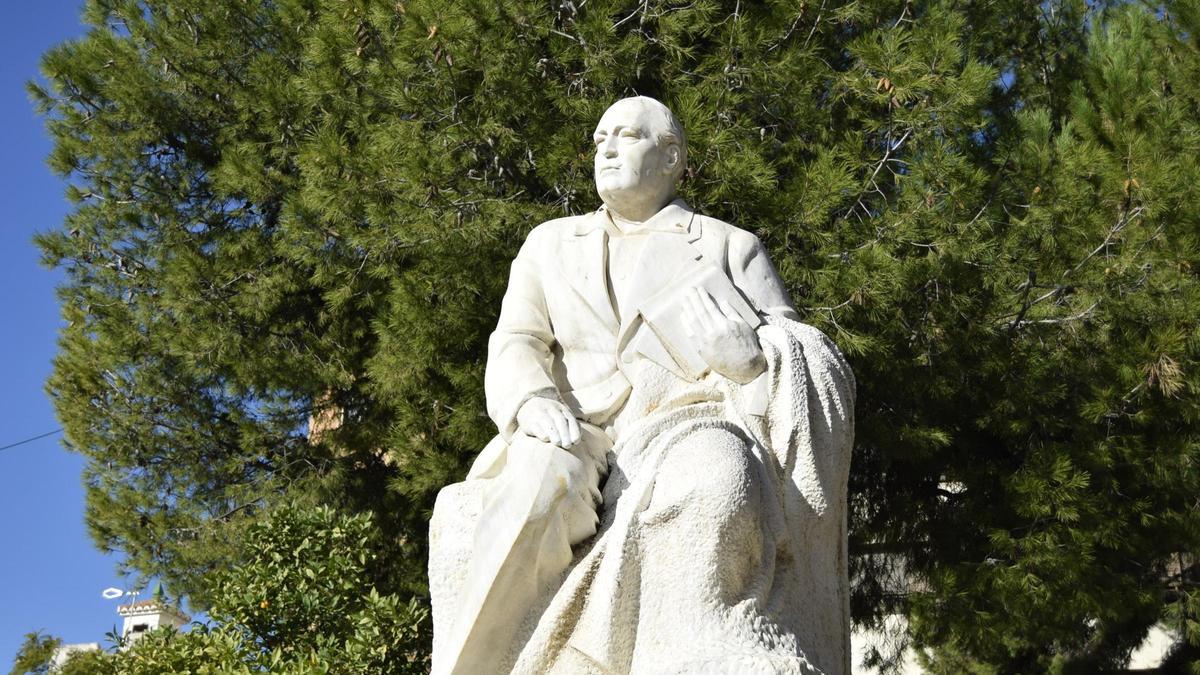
[112, 593]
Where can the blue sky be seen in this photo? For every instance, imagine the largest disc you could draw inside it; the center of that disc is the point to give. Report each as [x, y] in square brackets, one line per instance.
[50, 573]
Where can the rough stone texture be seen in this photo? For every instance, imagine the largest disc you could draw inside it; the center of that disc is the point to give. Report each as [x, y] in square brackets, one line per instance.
[699, 523]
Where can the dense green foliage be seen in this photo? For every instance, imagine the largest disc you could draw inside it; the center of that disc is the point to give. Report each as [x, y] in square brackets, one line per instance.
[293, 205]
[302, 601]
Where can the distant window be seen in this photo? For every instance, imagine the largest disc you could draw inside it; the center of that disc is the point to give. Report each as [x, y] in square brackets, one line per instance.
[140, 628]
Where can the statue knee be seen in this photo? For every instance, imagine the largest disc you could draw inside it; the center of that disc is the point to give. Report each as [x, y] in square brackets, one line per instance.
[566, 486]
[712, 469]
[708, 501]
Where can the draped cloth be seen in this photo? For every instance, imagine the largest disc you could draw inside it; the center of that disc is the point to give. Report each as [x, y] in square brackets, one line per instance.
[721, 544]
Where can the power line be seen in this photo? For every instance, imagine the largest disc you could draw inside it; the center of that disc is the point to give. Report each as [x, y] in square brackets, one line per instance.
[30, 440]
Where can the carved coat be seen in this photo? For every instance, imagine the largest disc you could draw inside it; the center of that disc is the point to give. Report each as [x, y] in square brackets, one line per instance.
[558, 333]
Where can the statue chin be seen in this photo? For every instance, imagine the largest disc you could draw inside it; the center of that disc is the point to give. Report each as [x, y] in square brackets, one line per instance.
[636, 202]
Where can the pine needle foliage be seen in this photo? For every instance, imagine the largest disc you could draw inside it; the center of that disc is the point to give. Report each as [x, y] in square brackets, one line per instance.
[291, 207]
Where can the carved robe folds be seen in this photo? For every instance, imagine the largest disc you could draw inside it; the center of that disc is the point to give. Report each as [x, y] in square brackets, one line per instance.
[720, 543]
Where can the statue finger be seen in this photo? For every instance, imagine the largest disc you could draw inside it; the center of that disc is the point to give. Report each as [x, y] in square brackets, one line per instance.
[560, 431]
[711, 310]
[698, 309]
[716, 318]
[540, 431]
[729, 312]
[548, 432]
[573, 433]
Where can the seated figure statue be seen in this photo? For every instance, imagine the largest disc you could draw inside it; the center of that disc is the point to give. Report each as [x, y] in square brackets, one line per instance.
[667, 492]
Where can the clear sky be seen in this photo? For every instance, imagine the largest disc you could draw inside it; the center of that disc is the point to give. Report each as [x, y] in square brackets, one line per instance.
[50, 573]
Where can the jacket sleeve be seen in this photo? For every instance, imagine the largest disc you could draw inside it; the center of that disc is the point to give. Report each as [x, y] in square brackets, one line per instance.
[520, 350]
[752, 272]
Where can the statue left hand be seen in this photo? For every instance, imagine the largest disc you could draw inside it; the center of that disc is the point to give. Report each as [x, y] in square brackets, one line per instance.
[724, 339]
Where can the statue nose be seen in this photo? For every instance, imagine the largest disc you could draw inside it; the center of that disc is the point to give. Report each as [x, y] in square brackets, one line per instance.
[609, 147]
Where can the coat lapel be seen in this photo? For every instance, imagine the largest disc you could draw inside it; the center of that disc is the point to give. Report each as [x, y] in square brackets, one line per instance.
[661, 260]
[671, 250]
[583, 267]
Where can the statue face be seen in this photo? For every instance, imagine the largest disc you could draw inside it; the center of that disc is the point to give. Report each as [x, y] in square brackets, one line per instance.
[629, 156]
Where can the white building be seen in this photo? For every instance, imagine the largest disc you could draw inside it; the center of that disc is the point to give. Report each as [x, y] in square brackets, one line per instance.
[149, 614]
[65, 652]
[139, 617]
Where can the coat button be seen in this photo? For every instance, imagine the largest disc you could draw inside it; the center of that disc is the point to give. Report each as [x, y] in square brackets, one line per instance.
[627, 357]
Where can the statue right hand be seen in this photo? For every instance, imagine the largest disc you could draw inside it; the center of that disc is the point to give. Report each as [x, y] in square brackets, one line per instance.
[550, 421]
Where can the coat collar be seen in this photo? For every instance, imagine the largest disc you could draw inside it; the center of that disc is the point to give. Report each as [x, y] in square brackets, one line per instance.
[674, 218]
[585, 260]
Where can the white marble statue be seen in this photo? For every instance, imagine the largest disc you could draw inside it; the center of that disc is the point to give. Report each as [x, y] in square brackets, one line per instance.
[667, 493]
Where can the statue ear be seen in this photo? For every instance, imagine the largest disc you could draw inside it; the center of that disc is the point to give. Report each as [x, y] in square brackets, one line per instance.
[672, 156]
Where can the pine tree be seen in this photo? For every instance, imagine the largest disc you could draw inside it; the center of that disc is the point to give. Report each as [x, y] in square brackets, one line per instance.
[297, 207]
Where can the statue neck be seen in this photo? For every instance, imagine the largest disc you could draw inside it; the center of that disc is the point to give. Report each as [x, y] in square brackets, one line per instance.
[623, 224]
[636, 212]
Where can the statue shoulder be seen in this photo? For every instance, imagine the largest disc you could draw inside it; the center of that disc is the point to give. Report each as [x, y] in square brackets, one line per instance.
[740, 243]
[545, 237]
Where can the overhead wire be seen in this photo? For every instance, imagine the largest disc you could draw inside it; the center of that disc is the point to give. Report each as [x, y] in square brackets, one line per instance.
[30, 439]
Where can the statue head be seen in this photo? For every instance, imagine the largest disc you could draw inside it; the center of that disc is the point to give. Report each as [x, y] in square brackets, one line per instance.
[641, 153]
